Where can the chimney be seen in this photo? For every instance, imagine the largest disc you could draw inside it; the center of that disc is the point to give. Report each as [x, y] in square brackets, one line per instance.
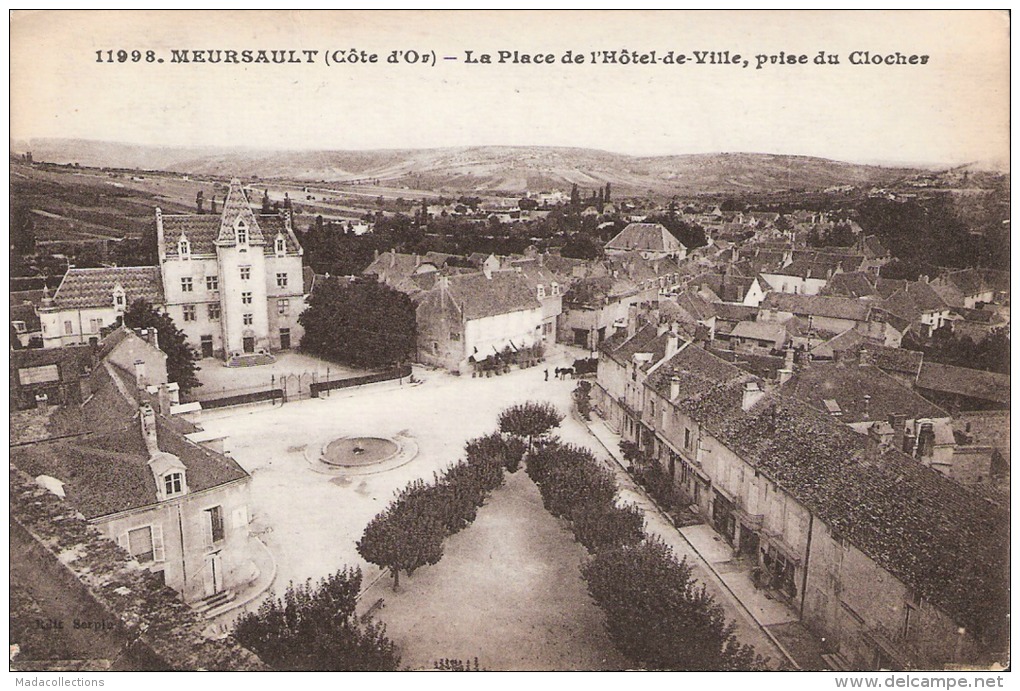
[393, 257]
[864, 358]
[674, 387]
[164, 399]
[867, 406]
[541, 259]
[417, 260]
[784, 375]
[632, 313]
[375, 254]
[788, 363]
[897, 421]
[140, 380]
[148, 421]
[752, 394]
[672, 346]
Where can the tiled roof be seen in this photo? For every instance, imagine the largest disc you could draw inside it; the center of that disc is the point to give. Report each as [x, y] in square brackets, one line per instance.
[653, 237]
[759, 331]
[83, 288]
[895, 359]
[974, 281]
[805, 268]
[817, 306]
[850, 339]
[78, 357]
[503, 293]
[763, 366]
[203, 231]
[236, 206]
[947, 544]
[698, 371]
[853, 284]
[963, 381]
[849, 384]
[106, 470]
[622, 349]
[726, 311]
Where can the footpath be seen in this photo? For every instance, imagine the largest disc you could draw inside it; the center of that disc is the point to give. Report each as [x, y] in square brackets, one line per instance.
[767, 624]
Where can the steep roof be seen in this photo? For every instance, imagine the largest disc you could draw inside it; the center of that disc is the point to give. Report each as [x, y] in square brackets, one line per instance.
[759, 331]
[236, 208]
[697, 371]
[82, 288]
[105, 470]
[852, 284]
[648, 237]
[203, 231]
[849, 383]
[946, 543]
[479, 296]
[963, 381]
[817, 306]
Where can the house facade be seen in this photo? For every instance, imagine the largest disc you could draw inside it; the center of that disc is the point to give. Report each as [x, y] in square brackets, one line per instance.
[178, 507]
[89, 300]
[827, 517]
[232, 282]
[470, 317]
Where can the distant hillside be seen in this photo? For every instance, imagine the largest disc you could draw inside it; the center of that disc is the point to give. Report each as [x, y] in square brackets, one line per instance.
[485, 167]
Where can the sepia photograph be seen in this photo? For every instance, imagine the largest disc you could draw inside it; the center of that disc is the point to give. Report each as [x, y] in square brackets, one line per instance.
[380, 340]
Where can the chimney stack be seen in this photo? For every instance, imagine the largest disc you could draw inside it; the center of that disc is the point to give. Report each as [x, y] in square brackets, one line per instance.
[632, 313]
[164, 399]
[140, 379]
[674, 387]
[897, 421]
[752, 394]
[672, 345]
[148, 421]
[785, 375]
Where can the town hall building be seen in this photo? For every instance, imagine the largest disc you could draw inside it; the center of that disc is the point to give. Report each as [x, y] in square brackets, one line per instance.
[232, 282]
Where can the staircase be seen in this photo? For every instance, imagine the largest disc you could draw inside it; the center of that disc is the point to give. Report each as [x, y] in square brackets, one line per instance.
[213, 605]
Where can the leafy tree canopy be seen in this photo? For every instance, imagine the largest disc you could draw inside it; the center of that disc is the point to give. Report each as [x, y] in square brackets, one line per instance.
[314, 628]
[361, 323]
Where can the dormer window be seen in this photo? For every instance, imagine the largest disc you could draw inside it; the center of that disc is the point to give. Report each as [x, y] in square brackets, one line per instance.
[541, 291]
[184, 248]
[555, 288]
[173, 484]
[119, 299]
[242, 233]
[281, 245]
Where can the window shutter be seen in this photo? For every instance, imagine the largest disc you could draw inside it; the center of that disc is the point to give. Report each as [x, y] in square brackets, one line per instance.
[158, 553]
[207, 528]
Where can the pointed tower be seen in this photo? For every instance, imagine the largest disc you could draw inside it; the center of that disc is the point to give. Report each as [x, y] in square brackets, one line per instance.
[240, 251]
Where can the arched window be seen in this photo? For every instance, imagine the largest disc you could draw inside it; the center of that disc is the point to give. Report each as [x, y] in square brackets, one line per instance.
[184, 247]
[242, 233]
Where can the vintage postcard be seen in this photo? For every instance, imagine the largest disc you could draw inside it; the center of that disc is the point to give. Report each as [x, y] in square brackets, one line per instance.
[501, 341]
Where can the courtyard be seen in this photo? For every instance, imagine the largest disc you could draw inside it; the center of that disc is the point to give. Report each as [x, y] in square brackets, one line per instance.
[220, 381]
[507, 590]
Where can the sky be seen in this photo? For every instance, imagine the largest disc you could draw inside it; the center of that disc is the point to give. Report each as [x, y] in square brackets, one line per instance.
[952, 110]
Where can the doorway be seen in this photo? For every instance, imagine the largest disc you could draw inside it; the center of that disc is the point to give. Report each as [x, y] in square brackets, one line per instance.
[213, 574]
[248, 344]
